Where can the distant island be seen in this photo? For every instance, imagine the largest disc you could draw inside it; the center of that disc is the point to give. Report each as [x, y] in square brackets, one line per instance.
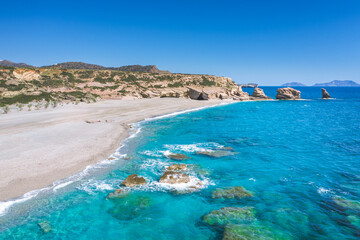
[293, 84]
[338, 83]
[334, 83]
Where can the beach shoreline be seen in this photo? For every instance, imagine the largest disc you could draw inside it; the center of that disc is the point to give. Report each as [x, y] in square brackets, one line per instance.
[43, 146]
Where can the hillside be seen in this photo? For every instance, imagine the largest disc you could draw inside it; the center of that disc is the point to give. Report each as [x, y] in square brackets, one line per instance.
[293, 84]
[22, 85]
[82, 65]
[7, 63]
[338, 83]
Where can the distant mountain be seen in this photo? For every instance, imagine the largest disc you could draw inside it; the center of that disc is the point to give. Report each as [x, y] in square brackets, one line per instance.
[7, 63]
[338, 83]
[293, 84]
[75, 65]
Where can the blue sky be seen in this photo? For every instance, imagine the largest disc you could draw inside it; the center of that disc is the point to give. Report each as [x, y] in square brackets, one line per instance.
[268, 42]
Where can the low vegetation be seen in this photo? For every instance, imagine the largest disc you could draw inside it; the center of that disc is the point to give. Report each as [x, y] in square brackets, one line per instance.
[43, 87]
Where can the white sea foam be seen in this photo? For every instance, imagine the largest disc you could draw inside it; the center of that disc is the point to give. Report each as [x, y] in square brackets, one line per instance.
[252, 179]
[5, 206]
[197, 147]
[166, 153]
[92, 186]
[152, 153]
[153, 165]
[195, 184]
[61, 185]
[137, 131]
[323, 191]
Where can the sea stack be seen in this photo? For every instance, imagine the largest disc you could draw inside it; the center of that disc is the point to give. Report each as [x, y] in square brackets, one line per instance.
[259, 93]
[325, 94]
[287, 93]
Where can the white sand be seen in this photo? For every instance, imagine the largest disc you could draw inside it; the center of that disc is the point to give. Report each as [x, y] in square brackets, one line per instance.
[42, 146]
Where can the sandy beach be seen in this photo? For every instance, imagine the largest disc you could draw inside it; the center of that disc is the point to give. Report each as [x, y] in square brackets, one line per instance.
[41, 146]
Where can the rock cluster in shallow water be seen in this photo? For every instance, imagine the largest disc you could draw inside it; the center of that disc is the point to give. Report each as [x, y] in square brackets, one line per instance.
[173, 177]
[177, 167]
[133, 181]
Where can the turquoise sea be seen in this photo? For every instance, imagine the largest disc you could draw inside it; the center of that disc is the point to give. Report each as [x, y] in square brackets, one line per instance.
[300, 159]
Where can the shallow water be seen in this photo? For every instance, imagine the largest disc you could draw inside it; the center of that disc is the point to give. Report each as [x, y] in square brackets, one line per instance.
[297, 157]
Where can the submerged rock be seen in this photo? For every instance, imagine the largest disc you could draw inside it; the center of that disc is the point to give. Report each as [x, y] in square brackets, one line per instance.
[230, 215]
[228, 148]
[288, 218]
[348, 204]
[252, 232]
[259, 93]
[45, 226]
[177, 167]
[172, 177]
[325, 94]
[177, 156]
[287, 93]
[232, 192]
[134, 180]
[354, 220]
[217, 153]
[130, 207]
[119, 193]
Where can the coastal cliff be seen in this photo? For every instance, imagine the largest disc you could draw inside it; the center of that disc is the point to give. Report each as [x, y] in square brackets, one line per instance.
[24, 85]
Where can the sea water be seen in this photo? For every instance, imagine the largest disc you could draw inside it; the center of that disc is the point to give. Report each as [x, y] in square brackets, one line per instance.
[300, 159]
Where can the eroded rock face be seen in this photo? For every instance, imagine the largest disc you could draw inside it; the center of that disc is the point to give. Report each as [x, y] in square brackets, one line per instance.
[171, 94]
[172, 177]
[177, 167]
[197, 95]
[133, 181]
[259, 93]
[230, 215]
[118, 193]
[287, 93]
[177, 156]
[232, 192]
[325, 94]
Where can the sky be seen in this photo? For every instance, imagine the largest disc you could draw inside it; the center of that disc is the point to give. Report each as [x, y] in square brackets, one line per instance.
[261, 41]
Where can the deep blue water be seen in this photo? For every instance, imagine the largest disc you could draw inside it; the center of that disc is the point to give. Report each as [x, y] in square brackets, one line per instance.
[301, 160]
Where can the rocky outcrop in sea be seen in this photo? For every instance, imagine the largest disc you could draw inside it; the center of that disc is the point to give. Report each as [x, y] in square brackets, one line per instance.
[259, 93]
[287, 93]
[325, 94]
